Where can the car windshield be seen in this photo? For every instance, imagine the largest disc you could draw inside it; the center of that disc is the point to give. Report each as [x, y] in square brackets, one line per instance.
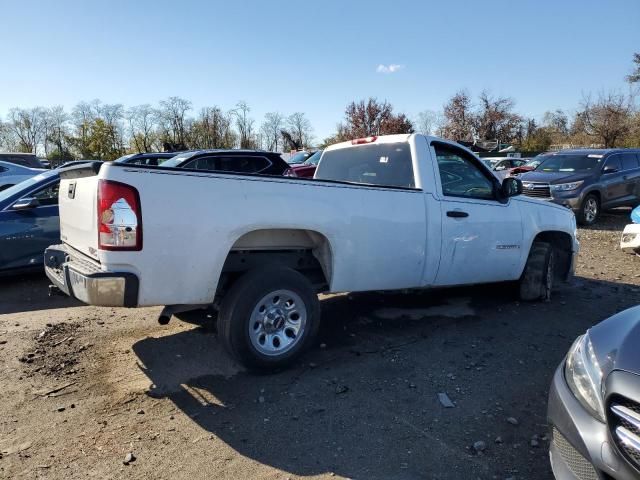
[533, 163]
[175, 161]
[25, 185]
[124, 158]
[569, 162]
[313, 159]
[298, 158]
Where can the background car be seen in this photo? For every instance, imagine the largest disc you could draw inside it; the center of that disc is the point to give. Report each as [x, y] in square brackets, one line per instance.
[23, 159]
[238, 161]
[299, 158]
[531, 164]
[594, 403]
[587, 180]
[29, 221]
[307, 168]
[148, 158]
[12, 174]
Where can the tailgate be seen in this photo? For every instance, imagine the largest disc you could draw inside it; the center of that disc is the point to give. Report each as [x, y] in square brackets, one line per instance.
[78, 207]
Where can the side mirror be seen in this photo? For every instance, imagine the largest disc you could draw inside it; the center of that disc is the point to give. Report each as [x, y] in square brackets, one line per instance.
[26, 203]
[609, 169]
[511, 187]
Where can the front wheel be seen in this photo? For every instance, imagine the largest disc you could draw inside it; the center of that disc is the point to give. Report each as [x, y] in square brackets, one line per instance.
[589, 210]
[269, 317]
[536, 281]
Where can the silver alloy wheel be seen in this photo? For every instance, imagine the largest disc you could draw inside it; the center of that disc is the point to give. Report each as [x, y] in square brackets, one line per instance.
[277, 322]
[590, 209]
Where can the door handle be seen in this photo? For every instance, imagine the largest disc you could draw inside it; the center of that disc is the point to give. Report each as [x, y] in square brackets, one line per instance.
[457, 214]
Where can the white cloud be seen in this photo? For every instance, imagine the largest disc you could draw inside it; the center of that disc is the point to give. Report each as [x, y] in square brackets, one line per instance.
[391, 68]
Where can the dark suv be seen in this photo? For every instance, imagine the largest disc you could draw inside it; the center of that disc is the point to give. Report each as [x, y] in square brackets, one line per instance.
[236, 161]
[587, 181]
[28, 160]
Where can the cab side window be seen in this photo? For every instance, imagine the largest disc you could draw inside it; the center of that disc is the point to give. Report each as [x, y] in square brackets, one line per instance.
[461, 175]
[48, 195]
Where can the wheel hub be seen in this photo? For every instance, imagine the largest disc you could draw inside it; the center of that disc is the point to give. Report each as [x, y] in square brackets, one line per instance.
[278, 322]
[273, 320]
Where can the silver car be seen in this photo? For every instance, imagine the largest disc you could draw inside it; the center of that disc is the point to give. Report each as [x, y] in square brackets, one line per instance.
[12, 174]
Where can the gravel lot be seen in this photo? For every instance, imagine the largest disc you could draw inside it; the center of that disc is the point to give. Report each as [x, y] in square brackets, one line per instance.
[82, 386]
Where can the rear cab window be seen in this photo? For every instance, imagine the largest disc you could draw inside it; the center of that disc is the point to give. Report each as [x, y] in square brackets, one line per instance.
[383, 164]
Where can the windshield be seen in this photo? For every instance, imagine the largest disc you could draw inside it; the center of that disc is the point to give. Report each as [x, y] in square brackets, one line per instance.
[314, 159]
[25, 185]
[298, 158]
[569, 163]
[533, 163]
[175, 161]
[124, 158]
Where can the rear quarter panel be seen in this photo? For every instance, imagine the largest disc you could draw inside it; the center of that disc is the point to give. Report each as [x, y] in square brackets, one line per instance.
[192, 219]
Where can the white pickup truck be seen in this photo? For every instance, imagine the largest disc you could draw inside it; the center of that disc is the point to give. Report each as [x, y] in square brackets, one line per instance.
[382, 213]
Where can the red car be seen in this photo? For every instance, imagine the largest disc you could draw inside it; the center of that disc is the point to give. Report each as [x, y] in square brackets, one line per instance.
[527, 167]
[305, 169]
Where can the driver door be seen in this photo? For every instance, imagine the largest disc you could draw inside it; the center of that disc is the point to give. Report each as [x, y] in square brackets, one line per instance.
[481, 236]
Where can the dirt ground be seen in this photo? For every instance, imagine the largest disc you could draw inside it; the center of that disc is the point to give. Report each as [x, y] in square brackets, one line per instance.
[82, 387]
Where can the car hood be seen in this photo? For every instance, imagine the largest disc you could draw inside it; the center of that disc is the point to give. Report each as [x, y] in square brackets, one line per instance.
[554, 177]
[615, 341]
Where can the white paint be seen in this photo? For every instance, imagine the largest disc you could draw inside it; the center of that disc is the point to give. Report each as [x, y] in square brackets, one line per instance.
[378, 238]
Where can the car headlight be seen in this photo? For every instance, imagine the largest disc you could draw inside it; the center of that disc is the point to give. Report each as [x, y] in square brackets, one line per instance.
[565, 187]
[584, 376]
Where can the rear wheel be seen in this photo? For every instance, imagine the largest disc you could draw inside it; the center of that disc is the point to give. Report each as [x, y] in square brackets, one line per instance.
[269, 317]
[536, 281]
[589, 210]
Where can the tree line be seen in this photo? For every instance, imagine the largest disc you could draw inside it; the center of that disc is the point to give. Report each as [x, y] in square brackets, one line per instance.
[104, 131]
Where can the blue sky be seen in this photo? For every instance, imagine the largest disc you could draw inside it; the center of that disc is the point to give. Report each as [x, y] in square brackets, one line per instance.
[314, 57]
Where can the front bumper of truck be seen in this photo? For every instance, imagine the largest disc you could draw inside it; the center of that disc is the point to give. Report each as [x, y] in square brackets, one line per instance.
[81, 277]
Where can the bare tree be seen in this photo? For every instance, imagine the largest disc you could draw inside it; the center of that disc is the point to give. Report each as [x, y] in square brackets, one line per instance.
[459, 117]
[270, 129]
[363, 119]
[607, 119]
[58, 136]
[212, 129]
[142, 120]
[300, 128]
[495, 119]
[27, 124]
[427, 123]
[173, 113]
[244, 124]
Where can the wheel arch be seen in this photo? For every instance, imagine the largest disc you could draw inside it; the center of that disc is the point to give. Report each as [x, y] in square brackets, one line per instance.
[308, 251]
[562, 244]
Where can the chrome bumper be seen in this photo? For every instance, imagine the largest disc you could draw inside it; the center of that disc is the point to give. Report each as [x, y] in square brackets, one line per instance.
[81, 278]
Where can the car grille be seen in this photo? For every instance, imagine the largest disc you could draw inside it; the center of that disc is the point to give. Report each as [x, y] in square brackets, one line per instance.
[625, 428]
[579, 465]
[538, 190]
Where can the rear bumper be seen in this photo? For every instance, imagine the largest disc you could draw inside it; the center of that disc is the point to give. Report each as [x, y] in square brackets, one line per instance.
[82, 278]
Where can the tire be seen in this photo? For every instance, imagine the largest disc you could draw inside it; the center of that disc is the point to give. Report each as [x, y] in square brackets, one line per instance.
[536, 282]
[269, 318]
[589, 210]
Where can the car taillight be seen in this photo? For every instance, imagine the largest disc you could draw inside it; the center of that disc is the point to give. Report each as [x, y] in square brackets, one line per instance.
[290, 172]
[119, 217]
[360, 141]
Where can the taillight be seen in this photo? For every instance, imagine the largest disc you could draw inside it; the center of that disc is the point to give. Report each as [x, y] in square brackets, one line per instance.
[360, 141]
[119, 217]
[290, 172]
